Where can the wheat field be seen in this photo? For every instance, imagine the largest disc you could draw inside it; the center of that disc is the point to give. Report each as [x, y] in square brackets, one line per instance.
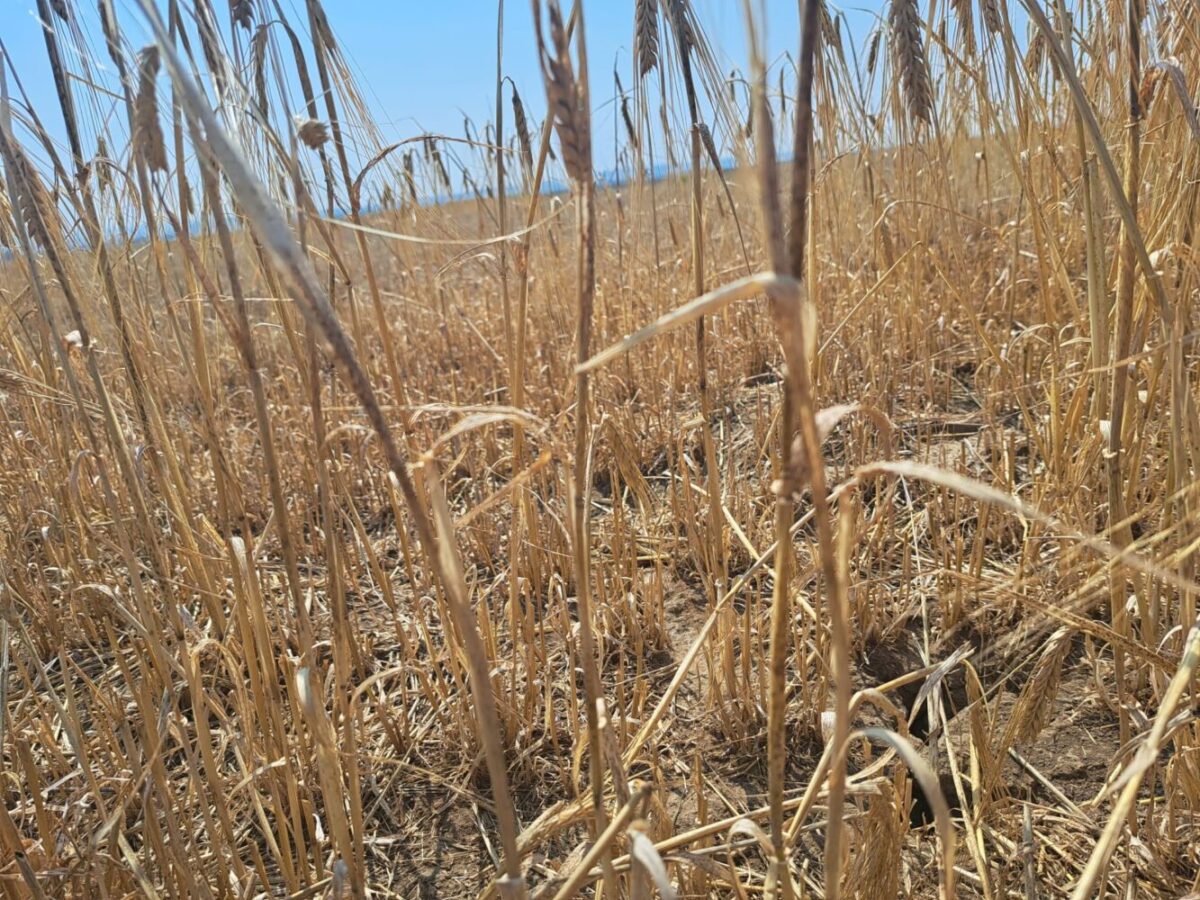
[810, 511]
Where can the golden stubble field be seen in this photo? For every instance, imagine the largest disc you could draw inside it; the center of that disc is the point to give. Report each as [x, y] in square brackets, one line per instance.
[819, 527]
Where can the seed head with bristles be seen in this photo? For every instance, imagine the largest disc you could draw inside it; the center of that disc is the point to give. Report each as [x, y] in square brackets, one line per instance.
[259, 45]
[324, 32]
[831, 34]
[710, 147]
[564, 99]
[521, 122]
[909, 55]
[33, 202]
[628, 118]
[966, 24]
[1035, 55]
[1179, 85]
[241, 12]
[1036, 701]
[101, 164]
[1148, 89]
[410, 179]
[992, 20]
[312, 132]
[440, 166]
[681, 22]
[626, 115]
[876, 865]
[646, 36]
[148, 136]
[873, 51]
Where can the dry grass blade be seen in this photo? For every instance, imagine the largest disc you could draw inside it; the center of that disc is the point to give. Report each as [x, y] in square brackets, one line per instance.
[979, 491]
[747, 288]
[642, 849]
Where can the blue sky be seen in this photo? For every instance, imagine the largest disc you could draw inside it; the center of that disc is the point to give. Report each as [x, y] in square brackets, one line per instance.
[423, 64]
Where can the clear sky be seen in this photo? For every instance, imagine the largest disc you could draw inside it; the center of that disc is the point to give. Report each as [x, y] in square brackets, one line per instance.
[423, 64]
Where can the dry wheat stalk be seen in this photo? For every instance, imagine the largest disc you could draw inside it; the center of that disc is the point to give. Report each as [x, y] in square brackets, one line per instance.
[908, 52]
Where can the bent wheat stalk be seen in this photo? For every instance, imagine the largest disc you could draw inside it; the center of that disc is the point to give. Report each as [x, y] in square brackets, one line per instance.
[567, 99]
